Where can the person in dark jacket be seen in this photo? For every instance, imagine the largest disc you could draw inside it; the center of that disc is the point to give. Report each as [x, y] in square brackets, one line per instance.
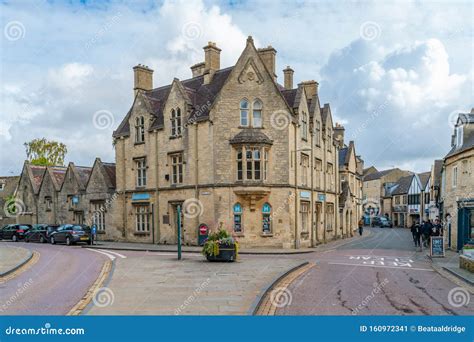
[414, 231]
[436, 230]
[426, 230]
[361, 226]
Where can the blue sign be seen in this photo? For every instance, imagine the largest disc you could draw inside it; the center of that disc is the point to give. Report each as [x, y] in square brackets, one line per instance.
[266, 209]
[75, 199]
[140, 197]
[305, 194]
[321, 197]
[237, 208]
[94, 229]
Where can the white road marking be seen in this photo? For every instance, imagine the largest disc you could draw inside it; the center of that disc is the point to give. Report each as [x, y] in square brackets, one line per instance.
[195, 255]
[396, 267]
[104, 253]
[111, 252]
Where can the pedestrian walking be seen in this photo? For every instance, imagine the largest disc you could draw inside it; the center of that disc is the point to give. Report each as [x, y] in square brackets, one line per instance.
[426, 231]
[415, 228]
[436, 230]
[361, 226]
[419, 233]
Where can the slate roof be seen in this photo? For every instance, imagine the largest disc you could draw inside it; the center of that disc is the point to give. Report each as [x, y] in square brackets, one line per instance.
[424, 177]
[402, 185]
[58, 174]
[201, 96]
[468, 144]
[437, 168]
[377, 175]
[83, 173]
[37, 173]
[251, 136]
[343, 154]
[110, 171]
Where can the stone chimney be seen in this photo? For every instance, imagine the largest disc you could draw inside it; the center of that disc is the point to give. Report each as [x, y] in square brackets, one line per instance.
[268, 56]
[310, 88]
[143, 76]
[339, 135]
[212, 61]
[198, 69]
[288, 72]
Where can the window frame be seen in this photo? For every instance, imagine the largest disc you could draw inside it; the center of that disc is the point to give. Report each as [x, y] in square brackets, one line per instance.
[139, 129]
[237, 214]
[258, 110]
[267, 219]
[177, 168]
[142, 218]
[244, 109]
[141, 176]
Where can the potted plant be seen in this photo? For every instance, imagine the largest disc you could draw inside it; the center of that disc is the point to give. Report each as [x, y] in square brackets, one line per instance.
[220, 246]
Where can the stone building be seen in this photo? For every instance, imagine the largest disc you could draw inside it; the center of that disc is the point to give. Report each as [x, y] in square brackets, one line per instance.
[100, 196]
[457, 193]
[47, 201]
[435, 190]
[350, 173]
[8, 187]
[29, 185]
[374, 187]
[72, 203]
[396, 198]
[234, 149]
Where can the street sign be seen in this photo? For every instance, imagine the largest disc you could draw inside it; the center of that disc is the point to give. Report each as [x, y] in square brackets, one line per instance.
[437, 246]
[321, 197]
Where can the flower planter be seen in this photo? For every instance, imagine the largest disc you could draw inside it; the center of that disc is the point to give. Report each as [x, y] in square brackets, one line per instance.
[227, 253]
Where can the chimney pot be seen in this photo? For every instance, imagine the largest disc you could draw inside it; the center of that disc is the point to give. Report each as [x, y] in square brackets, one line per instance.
[310, 88]
[143, 78]
[212, 61]
[288, 76]
[268, 56]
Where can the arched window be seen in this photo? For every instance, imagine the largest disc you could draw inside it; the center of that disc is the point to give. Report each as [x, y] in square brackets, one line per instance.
[176, 122]
[267, 219]
[304, 126]
[238, 218]
[139, 129]
[257, 113]
[244, 113]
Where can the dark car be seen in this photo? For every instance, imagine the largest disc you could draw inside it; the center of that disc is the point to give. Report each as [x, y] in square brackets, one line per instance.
[14, 232]
[71, 233]
[40, 232]
[381, 221]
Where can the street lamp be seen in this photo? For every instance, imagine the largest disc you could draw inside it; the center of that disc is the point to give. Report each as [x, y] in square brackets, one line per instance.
[297, 240]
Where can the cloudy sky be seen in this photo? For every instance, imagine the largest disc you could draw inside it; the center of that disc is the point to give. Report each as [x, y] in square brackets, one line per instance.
[395, 73]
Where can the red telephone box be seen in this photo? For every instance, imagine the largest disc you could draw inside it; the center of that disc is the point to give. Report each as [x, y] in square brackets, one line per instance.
[203, 233]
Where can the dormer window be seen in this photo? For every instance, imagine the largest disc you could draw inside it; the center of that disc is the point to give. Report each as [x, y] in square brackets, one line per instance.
[459, 136]
[257, 114]
[140, 129]
[176, 122]
[244, 113]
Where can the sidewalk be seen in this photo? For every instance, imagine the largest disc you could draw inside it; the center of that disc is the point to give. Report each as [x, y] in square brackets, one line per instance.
[132, 246]
[12, 258]
[450, 263]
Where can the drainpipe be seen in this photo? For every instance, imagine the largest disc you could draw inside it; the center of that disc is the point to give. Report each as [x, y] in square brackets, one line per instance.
[196, 171]
[313, 244]
[157, 193]
[297, 243]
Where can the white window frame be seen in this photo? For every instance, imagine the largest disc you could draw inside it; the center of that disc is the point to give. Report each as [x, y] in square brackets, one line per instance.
[177, 168]
[141, 166]
[142, 218]
[455, 176]
[244, 109]
[140, 129]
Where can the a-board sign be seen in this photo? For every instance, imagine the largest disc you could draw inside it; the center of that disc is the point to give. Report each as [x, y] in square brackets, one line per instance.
[437, 246]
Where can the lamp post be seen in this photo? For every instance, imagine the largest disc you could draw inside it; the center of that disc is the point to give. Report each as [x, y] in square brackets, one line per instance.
[179, 231]
[297, 240]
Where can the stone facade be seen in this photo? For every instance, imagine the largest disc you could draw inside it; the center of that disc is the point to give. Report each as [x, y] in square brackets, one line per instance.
[8, 188]
[233, 149]
[457, 193]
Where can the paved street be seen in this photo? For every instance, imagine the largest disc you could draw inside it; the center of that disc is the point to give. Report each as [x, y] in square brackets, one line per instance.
[380, 275]
[54, 284]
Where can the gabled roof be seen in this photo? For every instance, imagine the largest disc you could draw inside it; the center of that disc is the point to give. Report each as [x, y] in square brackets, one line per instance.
[378, 174]
[468, 144]
[437, 168]
[402, 186]
[82, 173]
[424, 178]
[57, 174]
[110, 172]
[36, 174]
[9, 188]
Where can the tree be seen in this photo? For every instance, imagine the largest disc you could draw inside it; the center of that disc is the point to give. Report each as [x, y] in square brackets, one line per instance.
[45, 152]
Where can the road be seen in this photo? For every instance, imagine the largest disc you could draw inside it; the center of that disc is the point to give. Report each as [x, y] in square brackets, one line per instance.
[379, 275]
[52, 286]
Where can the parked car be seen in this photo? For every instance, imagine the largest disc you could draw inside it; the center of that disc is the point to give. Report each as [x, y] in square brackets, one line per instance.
[14, 232]
[381, 221]
[40, 232]
[71, 233]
